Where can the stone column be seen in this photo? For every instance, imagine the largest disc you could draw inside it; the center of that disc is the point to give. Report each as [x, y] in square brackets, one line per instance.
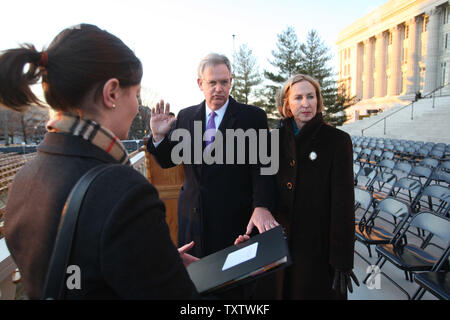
[368, 69]
[395, 64]
[380, 65]
[413, 57]
[432, 59]
[359, 71]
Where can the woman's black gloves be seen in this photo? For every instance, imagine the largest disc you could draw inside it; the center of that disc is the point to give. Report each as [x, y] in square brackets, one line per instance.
[343, 280]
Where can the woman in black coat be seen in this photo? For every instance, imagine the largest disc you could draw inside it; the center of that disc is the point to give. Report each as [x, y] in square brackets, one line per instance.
[314, 196]
[121, 246]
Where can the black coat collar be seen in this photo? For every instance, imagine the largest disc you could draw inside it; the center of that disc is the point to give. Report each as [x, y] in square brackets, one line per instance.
[309, 131]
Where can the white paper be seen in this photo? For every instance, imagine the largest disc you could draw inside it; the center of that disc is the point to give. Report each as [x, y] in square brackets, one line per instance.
[240, 256]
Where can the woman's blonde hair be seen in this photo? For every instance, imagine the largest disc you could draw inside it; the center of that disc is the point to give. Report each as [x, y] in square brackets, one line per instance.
[282, 99]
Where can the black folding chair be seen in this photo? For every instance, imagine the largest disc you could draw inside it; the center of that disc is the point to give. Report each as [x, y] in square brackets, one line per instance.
[420, 172]
[363, 201]
[402, 169]
[364, 177]
[409, 257]
[436, 281]
[386, 165]
[435, 198]
[369, 232]
[382, 185]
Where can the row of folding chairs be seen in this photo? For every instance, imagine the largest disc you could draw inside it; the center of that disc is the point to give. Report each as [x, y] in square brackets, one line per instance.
[367, 156]
[403, 149]
[377, 141]
[392, 244]
[400, 191]
[424, 172]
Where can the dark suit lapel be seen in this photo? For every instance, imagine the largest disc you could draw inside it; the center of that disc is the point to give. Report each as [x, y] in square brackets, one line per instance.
[229, 118]
[198, 115]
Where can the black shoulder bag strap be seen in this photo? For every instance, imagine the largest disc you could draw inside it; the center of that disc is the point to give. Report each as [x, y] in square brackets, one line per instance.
[54, 281]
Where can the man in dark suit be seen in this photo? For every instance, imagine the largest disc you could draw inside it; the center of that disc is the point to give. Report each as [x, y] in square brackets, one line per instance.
[219, 201]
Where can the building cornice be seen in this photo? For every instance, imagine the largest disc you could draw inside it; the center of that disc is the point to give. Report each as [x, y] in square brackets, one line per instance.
[385, 17]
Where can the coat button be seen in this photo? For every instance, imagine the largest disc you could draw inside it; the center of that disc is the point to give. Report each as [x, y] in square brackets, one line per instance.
[292, 163]
[289, 185]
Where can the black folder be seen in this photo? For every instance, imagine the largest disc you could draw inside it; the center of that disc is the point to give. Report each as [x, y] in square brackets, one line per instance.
[258, 256]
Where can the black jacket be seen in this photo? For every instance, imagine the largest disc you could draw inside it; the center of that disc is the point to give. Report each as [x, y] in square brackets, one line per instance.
[217, 200]
[122, 243]
[315, 200]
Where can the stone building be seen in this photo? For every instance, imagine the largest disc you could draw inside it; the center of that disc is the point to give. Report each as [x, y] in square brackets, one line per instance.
[394, 52]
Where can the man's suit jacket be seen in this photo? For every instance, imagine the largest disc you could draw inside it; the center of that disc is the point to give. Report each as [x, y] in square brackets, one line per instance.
[217, 200]
[122, 243]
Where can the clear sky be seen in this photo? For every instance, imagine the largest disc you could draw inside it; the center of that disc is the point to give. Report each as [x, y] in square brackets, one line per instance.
[171, 36]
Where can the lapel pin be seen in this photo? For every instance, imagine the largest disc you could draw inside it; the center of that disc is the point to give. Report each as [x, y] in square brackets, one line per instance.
[313, 156]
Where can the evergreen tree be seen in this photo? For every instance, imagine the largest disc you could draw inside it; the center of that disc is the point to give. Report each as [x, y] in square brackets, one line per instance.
[286, 60]
[335, 113]
[246, 75]
[140, 127]
[314, 62]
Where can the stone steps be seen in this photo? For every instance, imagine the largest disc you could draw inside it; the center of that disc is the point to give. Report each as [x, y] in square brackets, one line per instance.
[428, 124]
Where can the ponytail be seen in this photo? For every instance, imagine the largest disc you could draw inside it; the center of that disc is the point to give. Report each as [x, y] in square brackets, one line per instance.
[79, 61]
[15, 92]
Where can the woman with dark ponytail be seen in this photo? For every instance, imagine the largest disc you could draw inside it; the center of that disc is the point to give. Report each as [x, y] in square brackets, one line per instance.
[122, 245]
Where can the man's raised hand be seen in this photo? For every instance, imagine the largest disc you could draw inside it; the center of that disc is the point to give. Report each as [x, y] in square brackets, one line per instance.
[160, 121]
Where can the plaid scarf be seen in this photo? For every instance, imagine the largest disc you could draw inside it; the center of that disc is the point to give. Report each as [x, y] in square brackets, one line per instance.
[90, 131]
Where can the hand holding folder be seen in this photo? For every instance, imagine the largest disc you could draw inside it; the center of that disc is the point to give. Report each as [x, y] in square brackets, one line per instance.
[241, 263]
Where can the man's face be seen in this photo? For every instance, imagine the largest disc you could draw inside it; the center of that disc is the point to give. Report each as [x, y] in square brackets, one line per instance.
[216, 85]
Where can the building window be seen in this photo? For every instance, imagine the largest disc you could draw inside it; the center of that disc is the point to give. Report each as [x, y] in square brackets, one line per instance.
[444, 75]
[390, 38]
[446, 41]
[406, 31]
[447, 14]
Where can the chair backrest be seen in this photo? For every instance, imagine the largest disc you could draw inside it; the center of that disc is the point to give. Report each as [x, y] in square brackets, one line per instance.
[356, 168]
[421, 172]
[365, 153]
[438, 198]
[377, 153]
[423, 152]
[445, 166]
[429, 162]
[413, 188]
[394, 207]
[363, 198]
[386, 177]
[387, 164]
[367, 174]
[387, 155]
[403, 166]
[440, 176]
[438, 225]
[437, 153]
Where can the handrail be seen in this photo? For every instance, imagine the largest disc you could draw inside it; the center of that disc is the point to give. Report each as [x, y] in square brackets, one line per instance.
[411, 104]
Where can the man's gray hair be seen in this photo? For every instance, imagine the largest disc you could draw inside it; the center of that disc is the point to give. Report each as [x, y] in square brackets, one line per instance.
[212, 59]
